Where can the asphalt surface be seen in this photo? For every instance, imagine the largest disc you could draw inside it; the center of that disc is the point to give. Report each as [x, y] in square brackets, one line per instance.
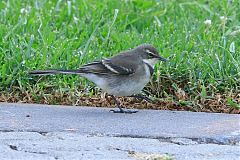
[65, 132]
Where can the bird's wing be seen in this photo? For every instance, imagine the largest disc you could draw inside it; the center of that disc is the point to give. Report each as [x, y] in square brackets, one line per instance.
[124, 63]
[117, 68]
[105, 67]
[117, 65]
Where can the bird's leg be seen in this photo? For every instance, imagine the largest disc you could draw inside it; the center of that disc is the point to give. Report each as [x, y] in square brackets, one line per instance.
[120, 107]
[139, 96]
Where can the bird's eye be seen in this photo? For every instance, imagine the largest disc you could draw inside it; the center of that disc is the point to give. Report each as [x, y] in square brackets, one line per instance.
[150, 53]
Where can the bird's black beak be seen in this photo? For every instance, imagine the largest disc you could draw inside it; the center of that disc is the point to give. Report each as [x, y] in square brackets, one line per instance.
[161, 58]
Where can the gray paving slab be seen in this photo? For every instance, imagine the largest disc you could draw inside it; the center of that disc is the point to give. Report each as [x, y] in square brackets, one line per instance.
[61, 145]
[67, 132]
[92, 120]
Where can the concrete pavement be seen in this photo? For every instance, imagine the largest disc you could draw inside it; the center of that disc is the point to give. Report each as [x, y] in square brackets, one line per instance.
[66, 132]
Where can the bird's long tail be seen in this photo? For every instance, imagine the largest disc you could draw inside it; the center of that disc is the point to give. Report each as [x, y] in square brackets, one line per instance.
[49, 72]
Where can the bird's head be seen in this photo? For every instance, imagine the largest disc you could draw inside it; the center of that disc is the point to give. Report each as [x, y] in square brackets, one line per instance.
[149, 54]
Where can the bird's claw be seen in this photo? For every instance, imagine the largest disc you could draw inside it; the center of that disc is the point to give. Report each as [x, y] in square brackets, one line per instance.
[123, 111]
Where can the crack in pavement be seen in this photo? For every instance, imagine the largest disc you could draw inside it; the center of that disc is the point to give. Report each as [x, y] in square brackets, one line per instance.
[43, 133]
[36, 152]
[189, 140]
[232, 140]
[203, 140]
[7, 130]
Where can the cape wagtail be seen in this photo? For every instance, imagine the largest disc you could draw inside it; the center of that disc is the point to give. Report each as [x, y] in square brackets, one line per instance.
[124, 74]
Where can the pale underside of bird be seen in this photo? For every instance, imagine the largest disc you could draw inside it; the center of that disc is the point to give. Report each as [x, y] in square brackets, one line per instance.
[124, 74]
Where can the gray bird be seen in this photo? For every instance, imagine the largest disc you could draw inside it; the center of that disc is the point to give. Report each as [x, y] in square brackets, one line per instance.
[124, 74]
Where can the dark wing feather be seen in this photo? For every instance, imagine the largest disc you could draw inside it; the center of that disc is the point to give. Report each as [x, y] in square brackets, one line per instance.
[124, 63]
[96, 68]
[121, 64]
[117, 69]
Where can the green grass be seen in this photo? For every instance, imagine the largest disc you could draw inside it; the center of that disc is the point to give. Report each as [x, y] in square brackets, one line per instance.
[42, 34]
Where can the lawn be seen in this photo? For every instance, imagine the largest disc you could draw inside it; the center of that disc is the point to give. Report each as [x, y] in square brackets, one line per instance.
[201, 37]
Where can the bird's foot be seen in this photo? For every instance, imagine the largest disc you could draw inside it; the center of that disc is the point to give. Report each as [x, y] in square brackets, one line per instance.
[123, 111]
[120, 107]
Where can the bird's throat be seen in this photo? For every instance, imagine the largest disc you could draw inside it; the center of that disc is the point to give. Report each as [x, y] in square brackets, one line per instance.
[151, 69]
[151, 62]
